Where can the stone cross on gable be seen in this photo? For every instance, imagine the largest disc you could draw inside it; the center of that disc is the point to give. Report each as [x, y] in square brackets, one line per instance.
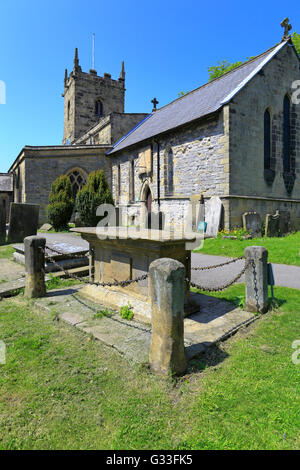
[154, 102]
[287, 27]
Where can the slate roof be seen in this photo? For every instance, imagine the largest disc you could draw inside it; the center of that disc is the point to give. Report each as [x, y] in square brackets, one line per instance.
[198, 103]
[6, 182]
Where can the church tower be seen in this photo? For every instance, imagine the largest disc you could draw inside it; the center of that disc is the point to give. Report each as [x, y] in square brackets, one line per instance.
[89, 97]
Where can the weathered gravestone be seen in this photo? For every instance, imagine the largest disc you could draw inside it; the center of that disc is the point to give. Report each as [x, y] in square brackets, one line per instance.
[2, 225]
[23, 221]
[252, 223]
[284, 222]
[46, 228]
[196, 212]
[272, 225]
[213, 213]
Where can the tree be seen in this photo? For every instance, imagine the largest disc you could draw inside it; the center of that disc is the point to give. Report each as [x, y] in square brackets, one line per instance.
[92, 195]
[216, 71]
[60, 209]
[296, 41]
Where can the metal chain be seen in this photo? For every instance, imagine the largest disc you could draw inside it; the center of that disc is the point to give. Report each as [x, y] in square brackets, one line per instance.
[216, 289]
[199, 268]
[127, 282]
[114, 283]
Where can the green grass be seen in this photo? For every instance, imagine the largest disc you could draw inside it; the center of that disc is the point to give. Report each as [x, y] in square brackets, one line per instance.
[6, 251]
[56, 282]
[283, 250]
[61, 390]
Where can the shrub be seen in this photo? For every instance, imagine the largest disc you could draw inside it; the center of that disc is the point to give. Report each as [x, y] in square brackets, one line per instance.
[92, 195]
[60, 209]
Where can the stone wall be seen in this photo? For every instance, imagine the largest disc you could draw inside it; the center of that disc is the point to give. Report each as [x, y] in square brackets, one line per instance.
[41, 167]
[246, 123]
[123, 123]
[238, 205]
[199, 154]
[111, 128]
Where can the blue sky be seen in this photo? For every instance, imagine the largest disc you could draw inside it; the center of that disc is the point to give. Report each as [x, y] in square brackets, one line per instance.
[167, 46]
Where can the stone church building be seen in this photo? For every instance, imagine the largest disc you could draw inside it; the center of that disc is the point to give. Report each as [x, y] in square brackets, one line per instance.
[236, 137]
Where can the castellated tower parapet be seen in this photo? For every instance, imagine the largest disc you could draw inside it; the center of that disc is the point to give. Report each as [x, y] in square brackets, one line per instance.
[88, 97]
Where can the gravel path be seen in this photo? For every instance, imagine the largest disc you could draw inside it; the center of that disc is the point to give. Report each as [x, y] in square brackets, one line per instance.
[285, 275]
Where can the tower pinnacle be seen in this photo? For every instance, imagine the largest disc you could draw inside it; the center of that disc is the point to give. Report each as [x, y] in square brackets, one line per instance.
[122, 73]
[76, 60]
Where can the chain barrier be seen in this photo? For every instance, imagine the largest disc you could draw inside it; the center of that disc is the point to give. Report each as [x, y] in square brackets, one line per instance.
[203, 268]
[114, 283]
[220, 288]
[127, 282]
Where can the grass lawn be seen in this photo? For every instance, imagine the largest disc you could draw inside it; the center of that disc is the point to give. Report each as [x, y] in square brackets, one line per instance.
[60, 389]
[283, 250]
[6, 251]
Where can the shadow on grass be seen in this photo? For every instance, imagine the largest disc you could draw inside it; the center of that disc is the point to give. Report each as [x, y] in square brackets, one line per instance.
[211, 357]
[276, 303]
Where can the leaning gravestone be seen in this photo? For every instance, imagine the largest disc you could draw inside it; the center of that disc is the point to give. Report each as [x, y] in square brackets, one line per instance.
[272, 225]
[23, 221]
[252, 223]
[2, 225]
[213, 212]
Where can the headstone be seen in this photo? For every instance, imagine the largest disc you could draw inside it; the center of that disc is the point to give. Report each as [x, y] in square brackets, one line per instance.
[256, 279]
[284, 222]
[252, 223]
[196, 211]
[213, 213]
[45, 228]
[2, 225]
[23, 221]
[272, 225]
[167, 352]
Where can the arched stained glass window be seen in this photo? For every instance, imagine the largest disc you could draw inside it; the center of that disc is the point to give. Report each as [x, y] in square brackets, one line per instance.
[286, 134]
[78, 179]
[267, 140]
[169, 171]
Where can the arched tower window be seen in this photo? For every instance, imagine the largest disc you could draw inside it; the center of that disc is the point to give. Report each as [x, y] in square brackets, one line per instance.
[98, 108]
[267, 140]
[286, 134]
[78, 179]
[69, 110]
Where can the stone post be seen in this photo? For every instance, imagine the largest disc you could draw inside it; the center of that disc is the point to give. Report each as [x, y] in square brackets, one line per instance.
[256, 278]
[167, 353]
[2, 225]
[35, 267]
